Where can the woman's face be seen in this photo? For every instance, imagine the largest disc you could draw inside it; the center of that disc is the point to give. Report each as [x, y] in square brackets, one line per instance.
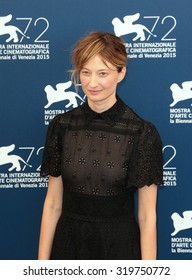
[99, 82]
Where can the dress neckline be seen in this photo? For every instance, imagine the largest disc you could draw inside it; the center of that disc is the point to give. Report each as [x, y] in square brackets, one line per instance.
[111, 115]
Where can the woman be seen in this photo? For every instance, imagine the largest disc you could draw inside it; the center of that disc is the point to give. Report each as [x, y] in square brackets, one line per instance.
[97, 155]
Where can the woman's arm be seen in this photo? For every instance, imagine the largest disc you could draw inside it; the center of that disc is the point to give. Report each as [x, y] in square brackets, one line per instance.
[51, 213]
[147, 197]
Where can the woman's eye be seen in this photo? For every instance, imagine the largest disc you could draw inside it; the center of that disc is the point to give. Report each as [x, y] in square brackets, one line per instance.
[85, 73]
[103, 74]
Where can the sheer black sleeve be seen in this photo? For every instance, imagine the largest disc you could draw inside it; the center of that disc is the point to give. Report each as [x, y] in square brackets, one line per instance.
[52, 151]
[146, 165]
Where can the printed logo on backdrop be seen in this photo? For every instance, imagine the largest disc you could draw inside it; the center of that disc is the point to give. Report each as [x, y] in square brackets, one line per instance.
[17, 170]
[147, 36]
[60, 100]
[182, 224]
[24, 38]
[169, 168]
[181, 110]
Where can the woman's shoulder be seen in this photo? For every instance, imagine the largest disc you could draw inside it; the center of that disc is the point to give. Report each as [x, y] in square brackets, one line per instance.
[140, 122]
[64, 118]
[140, 126]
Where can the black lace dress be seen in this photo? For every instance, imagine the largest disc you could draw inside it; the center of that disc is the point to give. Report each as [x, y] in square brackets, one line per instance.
[103, 159]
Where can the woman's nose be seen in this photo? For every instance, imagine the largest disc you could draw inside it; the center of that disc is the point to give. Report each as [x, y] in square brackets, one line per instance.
[93, 81]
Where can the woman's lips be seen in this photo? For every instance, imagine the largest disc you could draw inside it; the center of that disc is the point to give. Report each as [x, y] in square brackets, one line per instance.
[94, 92]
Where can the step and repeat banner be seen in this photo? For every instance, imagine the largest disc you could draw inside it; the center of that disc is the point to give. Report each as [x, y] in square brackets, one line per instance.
[36, 39]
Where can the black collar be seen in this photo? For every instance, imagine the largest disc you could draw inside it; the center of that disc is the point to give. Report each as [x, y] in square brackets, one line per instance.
[111, 116]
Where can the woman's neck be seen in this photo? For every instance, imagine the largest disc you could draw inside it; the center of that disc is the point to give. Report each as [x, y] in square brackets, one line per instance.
[101, 106]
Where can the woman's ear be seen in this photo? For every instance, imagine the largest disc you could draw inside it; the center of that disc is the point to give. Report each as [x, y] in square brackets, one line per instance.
[122, 74]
